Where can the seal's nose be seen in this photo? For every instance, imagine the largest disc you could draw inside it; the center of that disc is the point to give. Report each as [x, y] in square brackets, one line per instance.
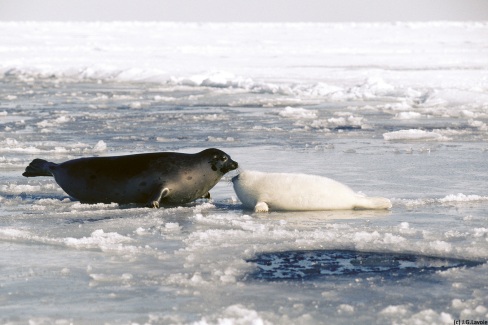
[229, 165]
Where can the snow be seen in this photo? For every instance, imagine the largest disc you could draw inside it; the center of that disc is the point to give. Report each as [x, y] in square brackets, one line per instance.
[394, 110]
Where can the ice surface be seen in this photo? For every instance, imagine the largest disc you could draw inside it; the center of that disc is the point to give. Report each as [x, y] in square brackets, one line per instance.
[393, 110]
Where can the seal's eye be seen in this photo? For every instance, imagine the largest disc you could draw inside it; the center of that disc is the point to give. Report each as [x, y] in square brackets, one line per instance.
[224, 158]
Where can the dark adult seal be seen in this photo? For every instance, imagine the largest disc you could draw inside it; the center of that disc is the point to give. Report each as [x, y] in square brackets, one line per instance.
[153, 179]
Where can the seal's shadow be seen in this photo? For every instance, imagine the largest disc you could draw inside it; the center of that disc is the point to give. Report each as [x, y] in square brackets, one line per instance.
[320, 264]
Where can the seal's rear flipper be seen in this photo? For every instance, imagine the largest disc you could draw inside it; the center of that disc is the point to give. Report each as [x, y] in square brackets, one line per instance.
[375, 203]
[39, 167]
[154, 201]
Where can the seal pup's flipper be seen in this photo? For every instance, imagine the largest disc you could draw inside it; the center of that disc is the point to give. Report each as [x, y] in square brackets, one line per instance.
[154, 201]
[261, 207]
[39, 167]
[373, 203]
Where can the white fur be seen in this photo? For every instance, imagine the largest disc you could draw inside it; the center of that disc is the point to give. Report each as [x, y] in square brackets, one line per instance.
[299, 192]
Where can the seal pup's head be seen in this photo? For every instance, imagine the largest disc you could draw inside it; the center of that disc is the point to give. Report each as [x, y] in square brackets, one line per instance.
[249, 177]
[219, 160]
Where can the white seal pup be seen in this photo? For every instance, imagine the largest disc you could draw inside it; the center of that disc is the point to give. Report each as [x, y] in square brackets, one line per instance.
[154, 179]
[299, 192]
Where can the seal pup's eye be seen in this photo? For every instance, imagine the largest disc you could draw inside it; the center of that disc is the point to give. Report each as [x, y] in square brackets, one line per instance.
[224, 158]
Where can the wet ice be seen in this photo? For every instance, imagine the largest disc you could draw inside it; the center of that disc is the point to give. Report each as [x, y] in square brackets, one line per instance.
[394, 110]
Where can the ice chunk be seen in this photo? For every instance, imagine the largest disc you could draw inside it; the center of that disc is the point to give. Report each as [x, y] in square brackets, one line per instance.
[413, 134]
[100, 146]
[236, 315]
[460, 197]
[408, 115]
[297, 113]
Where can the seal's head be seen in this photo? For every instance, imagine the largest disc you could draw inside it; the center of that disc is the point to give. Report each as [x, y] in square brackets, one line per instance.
[219, 160]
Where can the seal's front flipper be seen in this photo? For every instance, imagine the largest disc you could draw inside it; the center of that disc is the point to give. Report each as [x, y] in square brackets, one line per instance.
[261, 207]
[154, 201]
[39, 167]
[206, 196]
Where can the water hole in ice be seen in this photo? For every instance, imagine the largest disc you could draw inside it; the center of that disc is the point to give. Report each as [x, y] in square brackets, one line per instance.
[313, 265]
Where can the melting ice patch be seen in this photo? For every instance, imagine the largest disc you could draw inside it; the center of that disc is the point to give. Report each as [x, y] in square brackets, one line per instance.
[311, 265]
